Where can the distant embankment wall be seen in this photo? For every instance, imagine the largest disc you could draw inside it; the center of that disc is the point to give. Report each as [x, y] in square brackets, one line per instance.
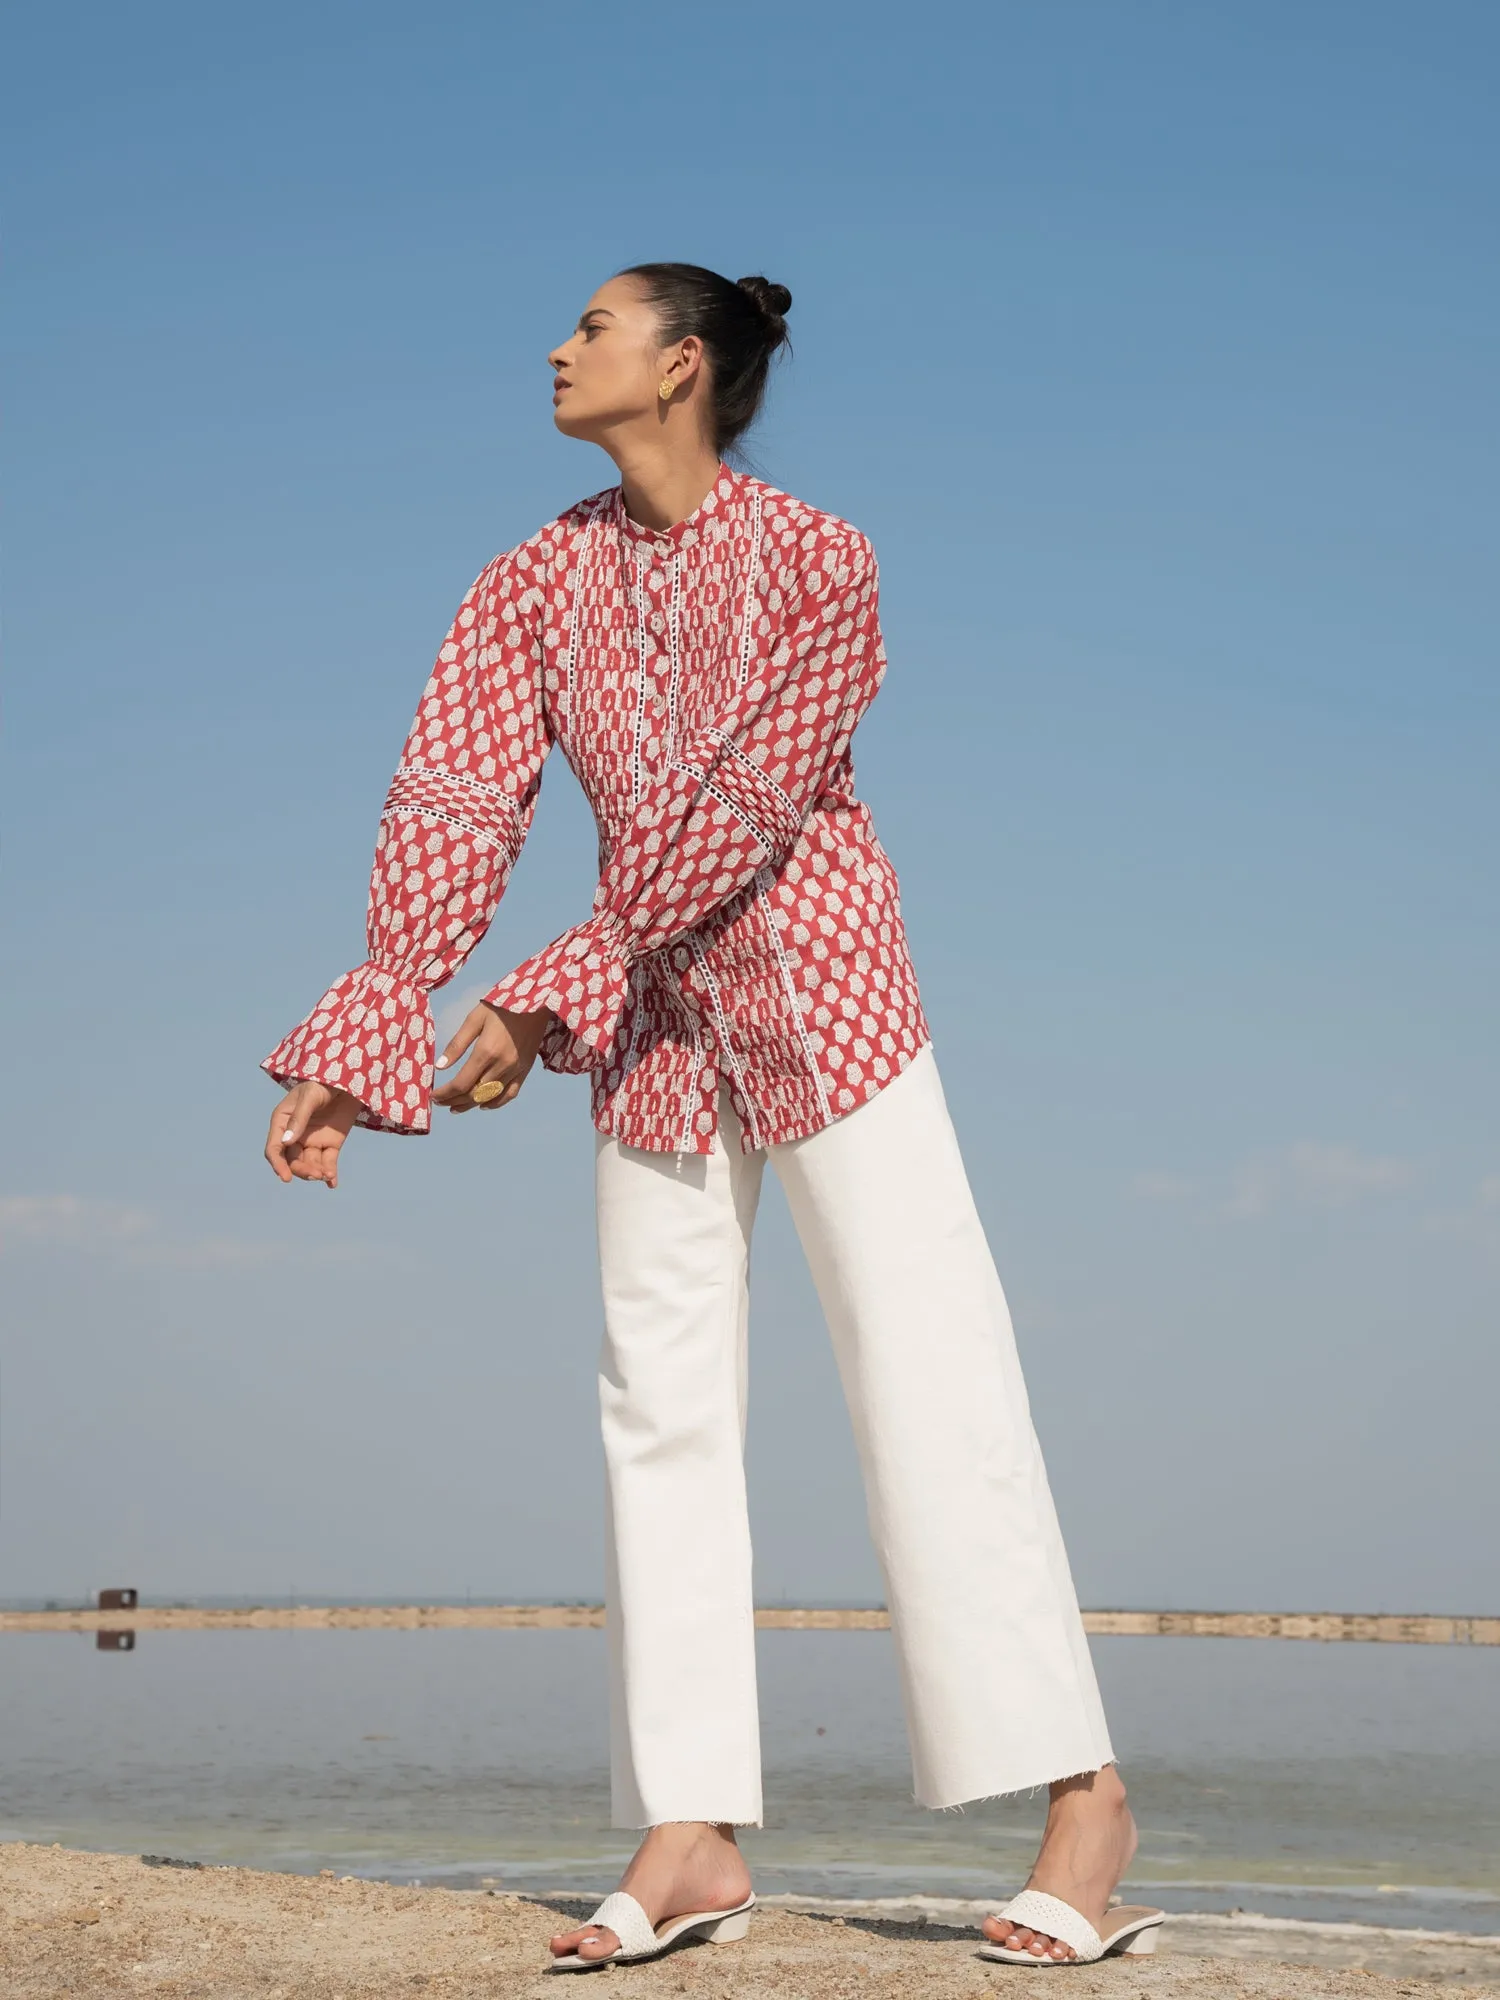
[1390, 1627]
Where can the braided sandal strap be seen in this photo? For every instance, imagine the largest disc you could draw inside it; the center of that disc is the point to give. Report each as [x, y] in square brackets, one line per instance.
[623, 1915]
[1035, 1910]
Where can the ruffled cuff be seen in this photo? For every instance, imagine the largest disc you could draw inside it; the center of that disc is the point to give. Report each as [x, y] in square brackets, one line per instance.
[583, 978]
[371, 1034]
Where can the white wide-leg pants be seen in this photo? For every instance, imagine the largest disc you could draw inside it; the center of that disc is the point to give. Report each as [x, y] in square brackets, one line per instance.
[998, 1685]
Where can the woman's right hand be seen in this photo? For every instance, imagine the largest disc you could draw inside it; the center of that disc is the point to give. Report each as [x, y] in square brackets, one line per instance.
[308, 1127]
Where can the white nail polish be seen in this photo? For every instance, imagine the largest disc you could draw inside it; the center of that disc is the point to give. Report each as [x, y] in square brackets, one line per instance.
[286, 1138]
[442, 1062]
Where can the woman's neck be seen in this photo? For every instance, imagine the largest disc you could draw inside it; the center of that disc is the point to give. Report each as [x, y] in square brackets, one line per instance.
[662, 483]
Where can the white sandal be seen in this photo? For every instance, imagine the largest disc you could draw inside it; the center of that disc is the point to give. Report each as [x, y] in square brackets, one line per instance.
[639, 1938]
[1128, 1931]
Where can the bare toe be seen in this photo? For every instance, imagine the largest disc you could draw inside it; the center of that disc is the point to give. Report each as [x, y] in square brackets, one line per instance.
[1016, 1937]
[588, 1942]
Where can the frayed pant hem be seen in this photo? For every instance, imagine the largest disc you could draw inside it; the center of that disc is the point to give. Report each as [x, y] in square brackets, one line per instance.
[695, 1819]
[1027, 1790]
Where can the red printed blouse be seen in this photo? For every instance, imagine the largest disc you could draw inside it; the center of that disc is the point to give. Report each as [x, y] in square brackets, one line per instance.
[704, 683]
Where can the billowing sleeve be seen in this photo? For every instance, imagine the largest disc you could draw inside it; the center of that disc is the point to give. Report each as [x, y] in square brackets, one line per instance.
[457, 812]
[732, 802]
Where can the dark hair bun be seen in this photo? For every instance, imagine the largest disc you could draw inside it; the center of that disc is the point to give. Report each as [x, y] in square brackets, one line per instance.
[775, 301]
[742, 326]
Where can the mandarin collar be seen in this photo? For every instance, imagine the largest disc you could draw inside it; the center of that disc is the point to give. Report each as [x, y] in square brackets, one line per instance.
[669, 540]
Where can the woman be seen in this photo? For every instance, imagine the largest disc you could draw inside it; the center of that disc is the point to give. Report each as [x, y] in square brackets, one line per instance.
[701, 647]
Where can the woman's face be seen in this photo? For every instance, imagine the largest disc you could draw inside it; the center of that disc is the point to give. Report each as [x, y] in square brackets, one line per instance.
[609, 370]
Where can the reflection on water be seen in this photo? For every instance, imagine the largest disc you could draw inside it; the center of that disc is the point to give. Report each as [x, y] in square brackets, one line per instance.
[1358, 1782]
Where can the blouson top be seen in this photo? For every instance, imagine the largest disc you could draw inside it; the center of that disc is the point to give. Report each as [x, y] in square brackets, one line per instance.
[704, 682]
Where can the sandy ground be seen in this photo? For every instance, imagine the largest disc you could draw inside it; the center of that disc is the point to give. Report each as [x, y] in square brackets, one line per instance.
[95, 1926]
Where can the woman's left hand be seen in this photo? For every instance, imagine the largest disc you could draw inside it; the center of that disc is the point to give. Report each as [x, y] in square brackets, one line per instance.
[501, 1048]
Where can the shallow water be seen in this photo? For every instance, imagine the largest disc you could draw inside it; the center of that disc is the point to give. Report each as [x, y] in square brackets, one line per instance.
[1340, 1782]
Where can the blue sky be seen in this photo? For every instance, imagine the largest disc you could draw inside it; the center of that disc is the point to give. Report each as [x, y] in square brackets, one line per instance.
[1153, 346]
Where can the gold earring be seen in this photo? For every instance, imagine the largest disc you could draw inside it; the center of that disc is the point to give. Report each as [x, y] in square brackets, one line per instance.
[665, 392]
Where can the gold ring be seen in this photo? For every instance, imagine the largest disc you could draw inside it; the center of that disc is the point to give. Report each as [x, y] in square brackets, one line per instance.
[489, 1090]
